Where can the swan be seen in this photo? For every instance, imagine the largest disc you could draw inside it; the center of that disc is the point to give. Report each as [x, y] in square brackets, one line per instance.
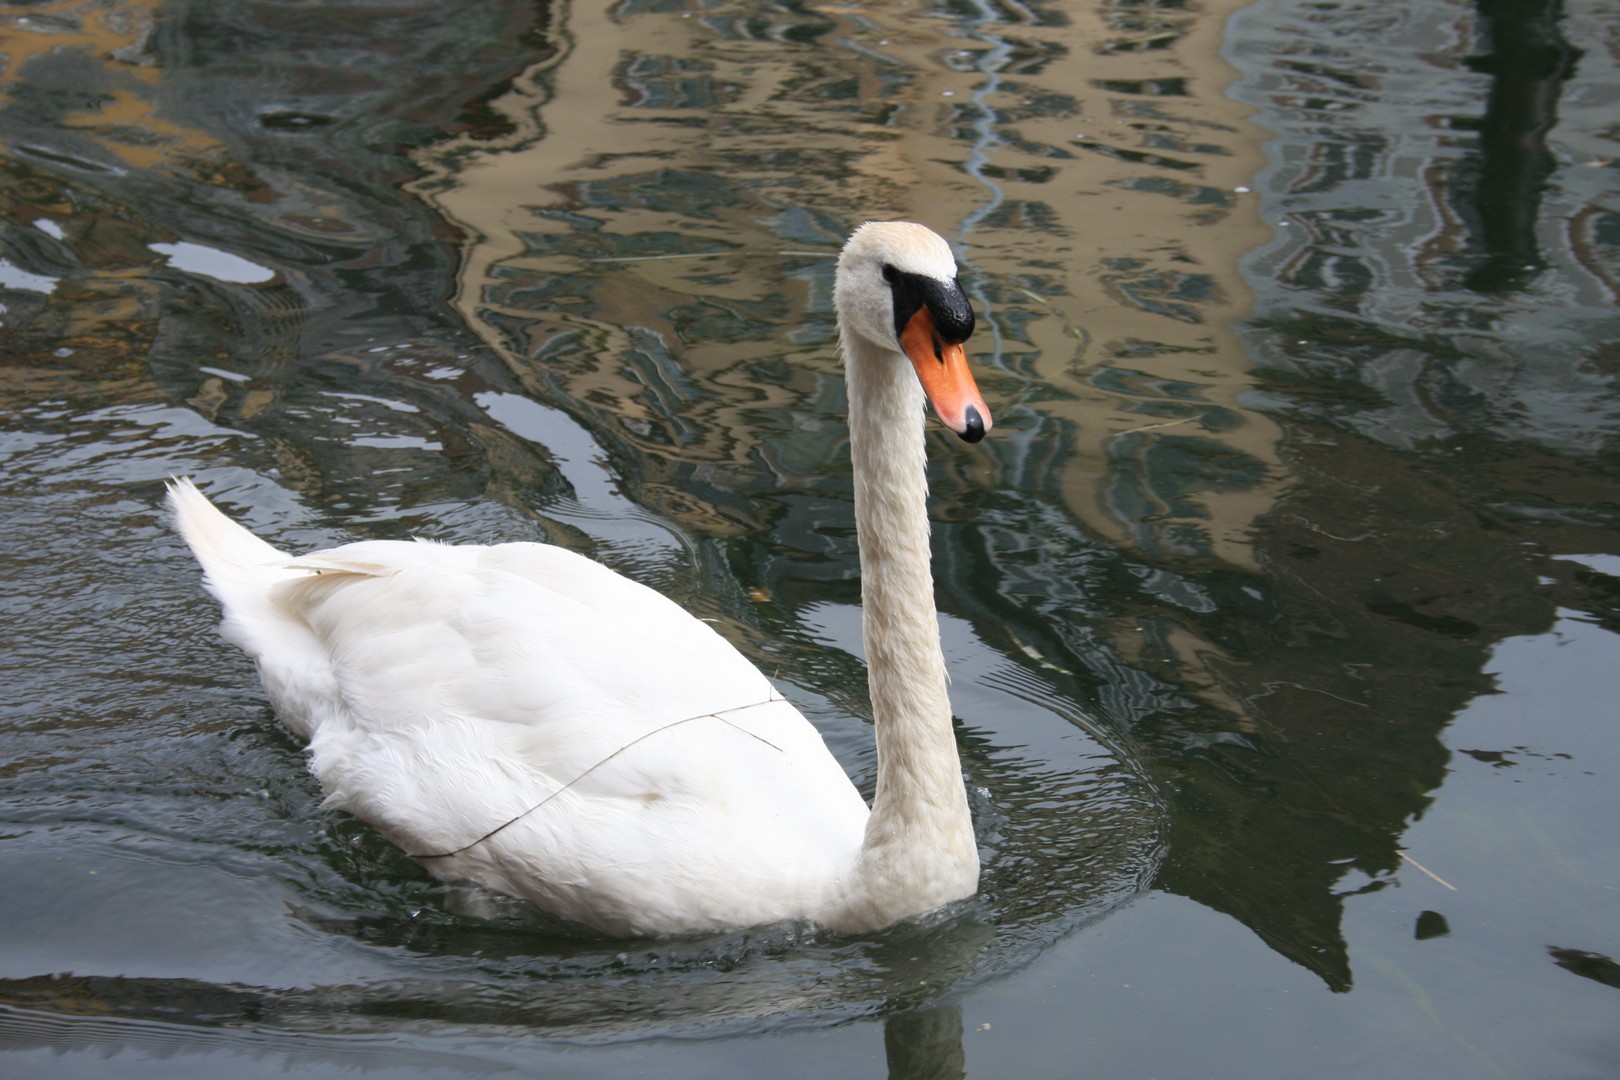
[522, 717]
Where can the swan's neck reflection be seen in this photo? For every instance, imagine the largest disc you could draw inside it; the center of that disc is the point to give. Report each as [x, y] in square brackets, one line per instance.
[926, 1044]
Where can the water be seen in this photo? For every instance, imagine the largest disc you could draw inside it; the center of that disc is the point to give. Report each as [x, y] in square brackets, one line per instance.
[1281, 603]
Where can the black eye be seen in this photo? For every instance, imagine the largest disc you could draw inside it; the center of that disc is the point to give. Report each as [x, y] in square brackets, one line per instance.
[890, 273]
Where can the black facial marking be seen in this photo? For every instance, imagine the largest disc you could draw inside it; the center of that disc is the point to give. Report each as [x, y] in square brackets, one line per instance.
[946, 302]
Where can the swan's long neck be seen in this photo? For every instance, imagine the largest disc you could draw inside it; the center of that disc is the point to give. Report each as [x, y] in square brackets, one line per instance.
[919, 850]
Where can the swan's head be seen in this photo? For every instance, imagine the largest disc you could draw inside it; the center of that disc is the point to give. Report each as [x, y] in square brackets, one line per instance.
[897, 289]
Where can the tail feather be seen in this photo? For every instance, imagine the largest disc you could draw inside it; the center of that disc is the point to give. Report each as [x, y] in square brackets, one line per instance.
[242, 572]
[229, 554]
[238, 567]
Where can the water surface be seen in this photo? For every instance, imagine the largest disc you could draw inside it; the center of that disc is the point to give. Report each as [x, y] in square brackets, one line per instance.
[1280, 604]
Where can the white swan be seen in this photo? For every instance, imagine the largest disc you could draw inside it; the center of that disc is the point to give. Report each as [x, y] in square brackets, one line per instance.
[520, 716]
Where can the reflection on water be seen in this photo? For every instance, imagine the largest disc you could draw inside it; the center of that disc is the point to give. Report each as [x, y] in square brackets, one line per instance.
[1444, 438]
[1298, 325]
[1529, 64]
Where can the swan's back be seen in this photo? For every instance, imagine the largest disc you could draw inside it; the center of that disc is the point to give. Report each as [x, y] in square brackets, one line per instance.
[524, 717]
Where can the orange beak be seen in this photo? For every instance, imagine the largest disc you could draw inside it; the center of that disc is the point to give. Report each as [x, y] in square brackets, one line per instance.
[943, 369]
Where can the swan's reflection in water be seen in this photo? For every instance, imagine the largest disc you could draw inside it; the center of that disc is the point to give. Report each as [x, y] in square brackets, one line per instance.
[575, 991]
[926, 1044]
[220, 1023]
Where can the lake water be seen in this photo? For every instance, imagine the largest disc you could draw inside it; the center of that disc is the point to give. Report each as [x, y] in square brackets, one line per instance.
[1281, 604]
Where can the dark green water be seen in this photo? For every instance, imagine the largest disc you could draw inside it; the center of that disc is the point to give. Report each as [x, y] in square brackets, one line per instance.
[1281, 604]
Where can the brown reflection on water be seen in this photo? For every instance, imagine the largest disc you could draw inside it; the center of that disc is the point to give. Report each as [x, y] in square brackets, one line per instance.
[689, 174]
[122, 115]
[84, 337]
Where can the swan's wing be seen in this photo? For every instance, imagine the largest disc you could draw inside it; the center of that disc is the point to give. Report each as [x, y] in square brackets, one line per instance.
[469, 686]
[698, 827]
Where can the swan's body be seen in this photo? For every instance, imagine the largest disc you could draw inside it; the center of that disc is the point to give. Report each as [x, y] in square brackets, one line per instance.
[520, 716]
